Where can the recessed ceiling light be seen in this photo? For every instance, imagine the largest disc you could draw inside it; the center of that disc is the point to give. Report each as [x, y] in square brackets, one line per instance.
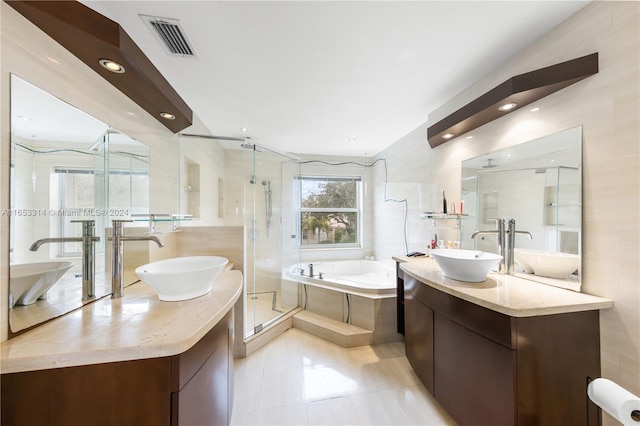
[112, 66]
[53, 60]
[244, 129]
[447, 136]
[469, 137]
[167, 115]
[535, 109]
[24, 117]
[351, 139]
[507, 107]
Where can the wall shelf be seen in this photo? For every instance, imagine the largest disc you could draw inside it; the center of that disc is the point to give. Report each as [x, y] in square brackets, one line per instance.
[444, 216]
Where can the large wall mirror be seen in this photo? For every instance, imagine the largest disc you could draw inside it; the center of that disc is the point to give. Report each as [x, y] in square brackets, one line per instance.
[66, 166]
[539, 184]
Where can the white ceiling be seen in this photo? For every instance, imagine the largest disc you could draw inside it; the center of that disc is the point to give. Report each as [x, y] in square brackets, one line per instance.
[332, 77]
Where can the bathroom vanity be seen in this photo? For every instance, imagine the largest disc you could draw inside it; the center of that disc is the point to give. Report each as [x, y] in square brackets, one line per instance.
[133, 360]
[503, 352]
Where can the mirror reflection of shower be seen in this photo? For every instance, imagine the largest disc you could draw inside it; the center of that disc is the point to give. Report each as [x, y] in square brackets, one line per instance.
[267, 202]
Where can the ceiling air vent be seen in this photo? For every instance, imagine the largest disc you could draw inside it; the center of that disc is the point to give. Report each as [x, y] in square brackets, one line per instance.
[171, 35]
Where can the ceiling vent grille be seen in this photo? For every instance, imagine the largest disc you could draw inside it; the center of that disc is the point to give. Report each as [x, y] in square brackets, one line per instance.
[171, 35]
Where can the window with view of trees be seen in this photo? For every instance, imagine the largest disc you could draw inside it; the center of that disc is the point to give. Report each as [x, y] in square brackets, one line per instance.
[330, 211]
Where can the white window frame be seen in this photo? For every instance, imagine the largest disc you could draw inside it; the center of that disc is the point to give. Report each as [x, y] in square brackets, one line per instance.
[357, 210]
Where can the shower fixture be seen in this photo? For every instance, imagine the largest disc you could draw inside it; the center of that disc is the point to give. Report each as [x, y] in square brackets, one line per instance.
[268, 204]
[489, 165]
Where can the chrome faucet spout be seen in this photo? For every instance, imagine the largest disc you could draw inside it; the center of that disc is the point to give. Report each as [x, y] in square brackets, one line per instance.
[512, 245]
[473, 236]
[501, 235]
[88, 254]
[143, 238]
[117, 255]
[39, 243]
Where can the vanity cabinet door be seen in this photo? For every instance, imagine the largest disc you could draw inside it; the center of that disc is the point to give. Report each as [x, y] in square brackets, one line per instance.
[474, 376]
[204, 400]
[418, 338]
[203, 395]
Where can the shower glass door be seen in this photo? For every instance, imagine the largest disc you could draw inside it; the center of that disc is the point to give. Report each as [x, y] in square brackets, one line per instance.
[268, 292]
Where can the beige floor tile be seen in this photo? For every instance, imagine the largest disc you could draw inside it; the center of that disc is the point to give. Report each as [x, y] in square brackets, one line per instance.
[295, 415]
[323, 383]
[250, 366]
[364, 378]
[420, 407]
[398, 372]
[379, 408]
[247, 391]
[338, 411]
[300, 379]
[282, 389]
[244, 419]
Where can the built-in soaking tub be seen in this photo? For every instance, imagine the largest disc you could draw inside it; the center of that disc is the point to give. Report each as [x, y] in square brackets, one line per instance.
[357, 292]
[374, 279]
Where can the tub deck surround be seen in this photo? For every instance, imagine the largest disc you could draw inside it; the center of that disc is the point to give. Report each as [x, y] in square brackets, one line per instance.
[136, 326]
[505, 294]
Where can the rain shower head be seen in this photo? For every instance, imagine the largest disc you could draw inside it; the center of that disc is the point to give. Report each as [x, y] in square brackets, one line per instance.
[489, 165]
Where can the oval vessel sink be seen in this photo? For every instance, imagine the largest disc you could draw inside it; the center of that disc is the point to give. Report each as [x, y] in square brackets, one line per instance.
[182, 278]
[546, 263]
[465, 265]
[29, 281]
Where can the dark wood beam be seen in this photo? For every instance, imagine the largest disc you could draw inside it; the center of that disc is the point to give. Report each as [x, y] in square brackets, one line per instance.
[522, 90]
[91, 36]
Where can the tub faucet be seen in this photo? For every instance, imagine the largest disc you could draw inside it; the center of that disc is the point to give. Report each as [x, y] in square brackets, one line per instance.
[117, 261]
[500, 233]
[88, 254]
[311, 270]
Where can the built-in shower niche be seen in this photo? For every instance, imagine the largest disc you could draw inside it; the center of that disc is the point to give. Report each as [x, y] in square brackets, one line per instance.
[191, 188]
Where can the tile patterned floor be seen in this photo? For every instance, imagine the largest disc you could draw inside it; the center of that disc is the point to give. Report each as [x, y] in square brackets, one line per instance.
[299, 379]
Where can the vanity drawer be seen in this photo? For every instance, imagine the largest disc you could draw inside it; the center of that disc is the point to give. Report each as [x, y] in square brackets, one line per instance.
[493, 325]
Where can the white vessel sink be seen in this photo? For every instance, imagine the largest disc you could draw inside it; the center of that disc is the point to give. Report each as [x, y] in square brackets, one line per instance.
[465, 265]
[547, 264]
[182, 278]
[29, 281]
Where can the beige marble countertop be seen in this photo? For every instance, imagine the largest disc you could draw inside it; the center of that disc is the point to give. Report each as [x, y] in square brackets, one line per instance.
[136, 326]
[506, 294]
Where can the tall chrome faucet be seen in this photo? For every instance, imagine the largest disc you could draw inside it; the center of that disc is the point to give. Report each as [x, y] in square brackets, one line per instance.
[117, 261]
[512, 243]
[88, 254]
[500, 233]
[507, 235]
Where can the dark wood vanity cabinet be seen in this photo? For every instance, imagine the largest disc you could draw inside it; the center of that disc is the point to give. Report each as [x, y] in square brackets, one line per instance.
[192, 388]
[488, 368]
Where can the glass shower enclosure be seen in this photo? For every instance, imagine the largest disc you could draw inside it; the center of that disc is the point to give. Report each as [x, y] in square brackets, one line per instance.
[269, 247]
